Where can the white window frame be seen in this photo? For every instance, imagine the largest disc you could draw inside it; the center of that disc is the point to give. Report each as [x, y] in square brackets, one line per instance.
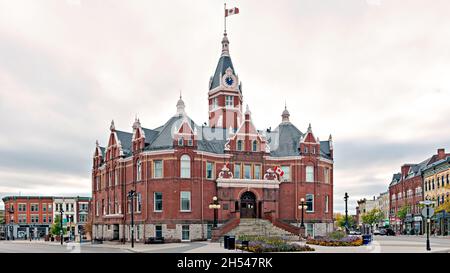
[154, 168]
[306, 199]
[181, 201]
[188, 232]
[185, 166]
[240, 167]
[229, 101]
[212, 170]
[249, 168]
[309, 170]
[138, 170]
[327, 201]
[287, 170]
[138, 206]
[154, 202]
[257, 171]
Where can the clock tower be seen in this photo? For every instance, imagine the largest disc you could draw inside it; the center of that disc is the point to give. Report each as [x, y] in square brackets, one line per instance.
[225, 93]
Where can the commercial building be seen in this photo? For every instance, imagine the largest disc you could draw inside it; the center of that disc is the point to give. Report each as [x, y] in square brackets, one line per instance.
[33, 216]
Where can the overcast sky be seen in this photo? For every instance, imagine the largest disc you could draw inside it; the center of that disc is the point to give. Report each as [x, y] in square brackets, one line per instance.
[373, 73]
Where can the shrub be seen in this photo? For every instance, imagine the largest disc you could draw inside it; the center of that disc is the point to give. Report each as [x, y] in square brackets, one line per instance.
[327, 241]
[260, 244]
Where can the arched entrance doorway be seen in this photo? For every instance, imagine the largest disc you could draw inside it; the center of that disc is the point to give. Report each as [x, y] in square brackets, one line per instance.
[248, 205]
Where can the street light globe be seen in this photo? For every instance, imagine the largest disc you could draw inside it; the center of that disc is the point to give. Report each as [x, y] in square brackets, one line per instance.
[215, 198]
[302, 200]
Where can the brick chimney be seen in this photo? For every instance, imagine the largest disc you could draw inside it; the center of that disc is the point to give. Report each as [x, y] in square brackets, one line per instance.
[405, 170]
[441, 153]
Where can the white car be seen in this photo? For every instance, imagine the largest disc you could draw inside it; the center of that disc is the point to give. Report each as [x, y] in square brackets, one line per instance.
[376, 232]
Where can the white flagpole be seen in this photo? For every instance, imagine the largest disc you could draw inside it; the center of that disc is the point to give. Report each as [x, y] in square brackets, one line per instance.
[225, 17]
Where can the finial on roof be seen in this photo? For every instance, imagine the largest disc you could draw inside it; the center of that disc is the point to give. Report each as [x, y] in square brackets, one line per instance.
[330, 138]
[136, 123]
[285, 115]
[96, 143]
[180, 106]
[247, 110]
[225, 45]
[309, 128]
[112, 127]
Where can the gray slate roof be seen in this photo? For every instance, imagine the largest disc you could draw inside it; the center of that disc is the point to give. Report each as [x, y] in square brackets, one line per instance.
[224, 63]
[284, 140]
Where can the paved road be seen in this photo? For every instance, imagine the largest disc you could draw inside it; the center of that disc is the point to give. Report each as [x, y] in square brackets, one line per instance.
[41, 247]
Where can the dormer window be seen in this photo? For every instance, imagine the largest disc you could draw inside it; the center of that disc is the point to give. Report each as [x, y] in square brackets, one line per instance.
[190, 142]
[239, 145]
[180, 142]
[255, 146]
[306, 150]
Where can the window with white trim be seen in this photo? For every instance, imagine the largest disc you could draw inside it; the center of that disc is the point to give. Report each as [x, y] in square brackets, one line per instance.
[229, 101]
[247, 171]
[309, 203]
[157, 169]
[138, 202]
[157, 201]
[185, 201]
[138, 170]
[257, 172]
[287, 173]
[209, 170]
[326, 203]
[309, 173]
[185, 163]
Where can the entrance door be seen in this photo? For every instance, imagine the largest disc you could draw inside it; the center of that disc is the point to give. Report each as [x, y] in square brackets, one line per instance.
[248, 205]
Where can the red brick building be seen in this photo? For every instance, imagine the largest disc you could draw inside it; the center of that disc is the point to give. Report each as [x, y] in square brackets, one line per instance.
[28, 215]
[177, 169]
[406, 190]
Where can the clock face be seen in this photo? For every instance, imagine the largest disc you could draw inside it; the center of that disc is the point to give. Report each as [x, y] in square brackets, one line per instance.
[229, 81]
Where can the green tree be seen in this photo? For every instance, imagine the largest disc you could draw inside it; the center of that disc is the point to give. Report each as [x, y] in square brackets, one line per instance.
[401, 213]
[340, 220]
[372, 217]
[56, 227]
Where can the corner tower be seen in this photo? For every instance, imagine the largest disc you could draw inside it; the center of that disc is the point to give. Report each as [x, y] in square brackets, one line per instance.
[225, 93]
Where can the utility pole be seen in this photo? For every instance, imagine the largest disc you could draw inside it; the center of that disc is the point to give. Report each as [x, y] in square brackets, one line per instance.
[131, 196]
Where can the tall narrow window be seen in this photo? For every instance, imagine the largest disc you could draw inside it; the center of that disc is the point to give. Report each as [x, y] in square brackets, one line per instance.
[310, 203]
[239, 145]
[255, 146]
[237, 170]
[209, 170]
[157, 201]
[185, 232]
[158, 169]
[116, 178]
[309, 174]
[138, 202]
[185, 163]
[247, 171]
[326, 203]
[185, 201]
[229, 101]
[257, 174]
[287, 173]
[138, 170]
[326, 174]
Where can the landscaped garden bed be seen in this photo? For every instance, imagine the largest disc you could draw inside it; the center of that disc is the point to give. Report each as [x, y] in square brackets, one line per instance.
[260, 244]
[336, 239]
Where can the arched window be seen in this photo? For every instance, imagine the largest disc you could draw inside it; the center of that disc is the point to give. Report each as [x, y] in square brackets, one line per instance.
[255, 146]
[138, 170]
[185, 166]
[239, 145]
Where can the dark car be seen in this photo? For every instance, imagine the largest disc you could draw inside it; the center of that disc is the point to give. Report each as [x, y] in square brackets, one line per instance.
[382, 232]
[390, 232]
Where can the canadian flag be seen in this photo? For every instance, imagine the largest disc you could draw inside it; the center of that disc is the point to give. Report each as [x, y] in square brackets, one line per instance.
[279, 171]
[232, 11]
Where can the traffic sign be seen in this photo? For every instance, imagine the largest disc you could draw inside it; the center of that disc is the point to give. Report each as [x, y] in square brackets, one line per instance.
[427, 212]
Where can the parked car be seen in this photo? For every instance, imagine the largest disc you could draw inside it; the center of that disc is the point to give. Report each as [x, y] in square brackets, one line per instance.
[390, 232]
[355, 232]
[376, 232]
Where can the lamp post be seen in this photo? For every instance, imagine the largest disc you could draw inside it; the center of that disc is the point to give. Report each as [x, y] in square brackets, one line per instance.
[61, 232]
[11, 221]
[302, 206]
[131, 195]
[215, 206]
[346, 212]
[427, 212]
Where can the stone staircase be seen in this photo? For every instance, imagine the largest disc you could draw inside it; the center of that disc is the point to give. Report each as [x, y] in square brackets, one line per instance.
[260, 227]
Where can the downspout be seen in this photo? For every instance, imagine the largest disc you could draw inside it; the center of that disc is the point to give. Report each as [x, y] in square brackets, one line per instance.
[201, 175]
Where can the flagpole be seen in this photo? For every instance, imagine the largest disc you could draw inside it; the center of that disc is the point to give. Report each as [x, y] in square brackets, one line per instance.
[225, 17]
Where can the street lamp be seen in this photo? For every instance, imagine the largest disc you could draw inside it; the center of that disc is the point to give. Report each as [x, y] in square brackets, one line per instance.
[302, 206]
[215, 206]
[11, 221]
[131, 195]
[428, 212]
[346, 212]
[61, 232]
